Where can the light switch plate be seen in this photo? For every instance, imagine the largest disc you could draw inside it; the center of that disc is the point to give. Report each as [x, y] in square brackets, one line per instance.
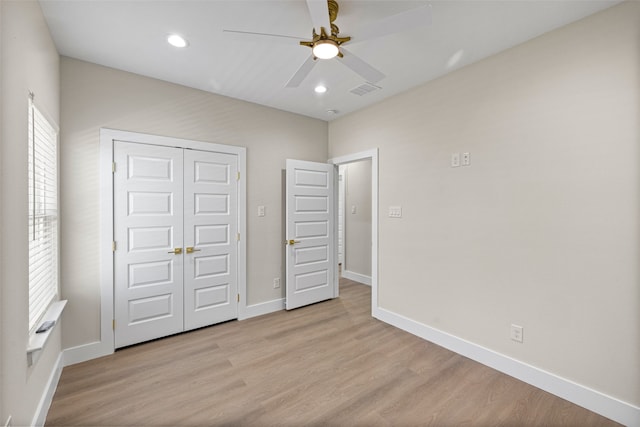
[466, 159]
[455, 160]
[395, 211]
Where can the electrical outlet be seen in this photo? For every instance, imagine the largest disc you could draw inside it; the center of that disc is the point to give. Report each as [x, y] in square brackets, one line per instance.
[517, 333]
[276, 283]
[261, 210]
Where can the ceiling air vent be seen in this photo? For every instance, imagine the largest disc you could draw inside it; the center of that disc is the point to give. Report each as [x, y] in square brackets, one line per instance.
[364, 89]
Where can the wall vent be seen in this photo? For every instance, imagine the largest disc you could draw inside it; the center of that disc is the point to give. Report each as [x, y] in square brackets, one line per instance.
[364, 89]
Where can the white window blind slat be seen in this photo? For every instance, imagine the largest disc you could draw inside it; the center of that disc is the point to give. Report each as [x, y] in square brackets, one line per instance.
[43, 215]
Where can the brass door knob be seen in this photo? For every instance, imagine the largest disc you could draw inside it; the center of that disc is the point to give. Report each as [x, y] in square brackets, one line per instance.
[176, 251]
[191, 249]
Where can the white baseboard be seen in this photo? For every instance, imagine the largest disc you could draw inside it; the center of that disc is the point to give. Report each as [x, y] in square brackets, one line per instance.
[85, 352]
[263, 308]
[47, 397]
[356, 277]
[607, 406]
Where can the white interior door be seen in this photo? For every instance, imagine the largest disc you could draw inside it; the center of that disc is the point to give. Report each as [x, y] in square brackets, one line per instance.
[175, 230]
[311, 261]
[148, 221]
[211, 227]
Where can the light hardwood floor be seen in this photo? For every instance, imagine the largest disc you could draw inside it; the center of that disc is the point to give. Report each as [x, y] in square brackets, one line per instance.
[326, 364]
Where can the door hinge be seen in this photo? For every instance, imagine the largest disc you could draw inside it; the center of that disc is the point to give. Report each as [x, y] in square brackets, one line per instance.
[113, 246]
[113, 324]
[238, 178]
[238, 298]
[238, 237]
[113, 167]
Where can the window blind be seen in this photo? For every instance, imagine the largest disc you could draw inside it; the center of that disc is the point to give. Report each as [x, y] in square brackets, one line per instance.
[43, 214]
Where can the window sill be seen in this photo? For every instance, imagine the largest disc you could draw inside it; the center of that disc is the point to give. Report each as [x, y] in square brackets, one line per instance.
[37, 342]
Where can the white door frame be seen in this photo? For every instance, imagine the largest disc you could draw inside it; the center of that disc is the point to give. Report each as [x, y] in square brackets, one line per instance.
[350, 158]
[341, 215]
[107, 136]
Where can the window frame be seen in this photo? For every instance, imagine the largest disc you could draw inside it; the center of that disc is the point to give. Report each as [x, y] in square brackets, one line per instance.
[43, 213]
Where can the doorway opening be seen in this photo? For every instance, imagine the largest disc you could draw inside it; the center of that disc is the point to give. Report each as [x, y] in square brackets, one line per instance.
[357, 161]
[354, 221]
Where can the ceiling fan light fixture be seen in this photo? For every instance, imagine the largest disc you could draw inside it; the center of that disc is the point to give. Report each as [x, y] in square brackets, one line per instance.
[325, 49]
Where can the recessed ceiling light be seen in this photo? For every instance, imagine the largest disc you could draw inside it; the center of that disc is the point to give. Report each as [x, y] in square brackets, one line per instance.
[176, 40]
[320, 89]
[332, 112]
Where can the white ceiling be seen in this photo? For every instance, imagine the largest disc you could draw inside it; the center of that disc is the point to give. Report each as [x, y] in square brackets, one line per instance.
[131, 35]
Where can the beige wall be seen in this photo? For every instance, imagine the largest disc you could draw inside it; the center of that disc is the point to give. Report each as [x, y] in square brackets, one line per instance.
[358, 225]
[94, 96]
[29, 62]
[542, 230]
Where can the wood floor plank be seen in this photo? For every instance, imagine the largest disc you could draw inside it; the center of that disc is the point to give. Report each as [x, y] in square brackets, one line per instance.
[328, 364]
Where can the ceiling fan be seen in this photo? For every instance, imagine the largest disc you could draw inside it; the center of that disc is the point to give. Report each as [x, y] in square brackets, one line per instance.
[327, 43]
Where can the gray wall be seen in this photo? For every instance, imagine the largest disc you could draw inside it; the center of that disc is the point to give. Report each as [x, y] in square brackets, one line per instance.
[542, 229]
[30, 62]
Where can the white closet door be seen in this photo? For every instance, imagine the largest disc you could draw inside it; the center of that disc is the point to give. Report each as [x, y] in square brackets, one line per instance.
[148, 221]
[211, 247]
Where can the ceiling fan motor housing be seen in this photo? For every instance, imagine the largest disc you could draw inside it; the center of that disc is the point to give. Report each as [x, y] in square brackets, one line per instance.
[323, 37]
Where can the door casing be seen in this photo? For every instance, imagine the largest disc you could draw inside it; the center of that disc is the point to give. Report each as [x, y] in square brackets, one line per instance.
[107, 136]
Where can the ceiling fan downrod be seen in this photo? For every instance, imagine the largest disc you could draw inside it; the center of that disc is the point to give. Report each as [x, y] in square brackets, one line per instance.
[333, 14]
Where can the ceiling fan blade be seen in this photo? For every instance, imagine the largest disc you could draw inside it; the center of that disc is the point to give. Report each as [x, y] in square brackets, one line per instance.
[402, 21]
[266, 37]
[319, 11]
[302, 72]
[365, 70]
